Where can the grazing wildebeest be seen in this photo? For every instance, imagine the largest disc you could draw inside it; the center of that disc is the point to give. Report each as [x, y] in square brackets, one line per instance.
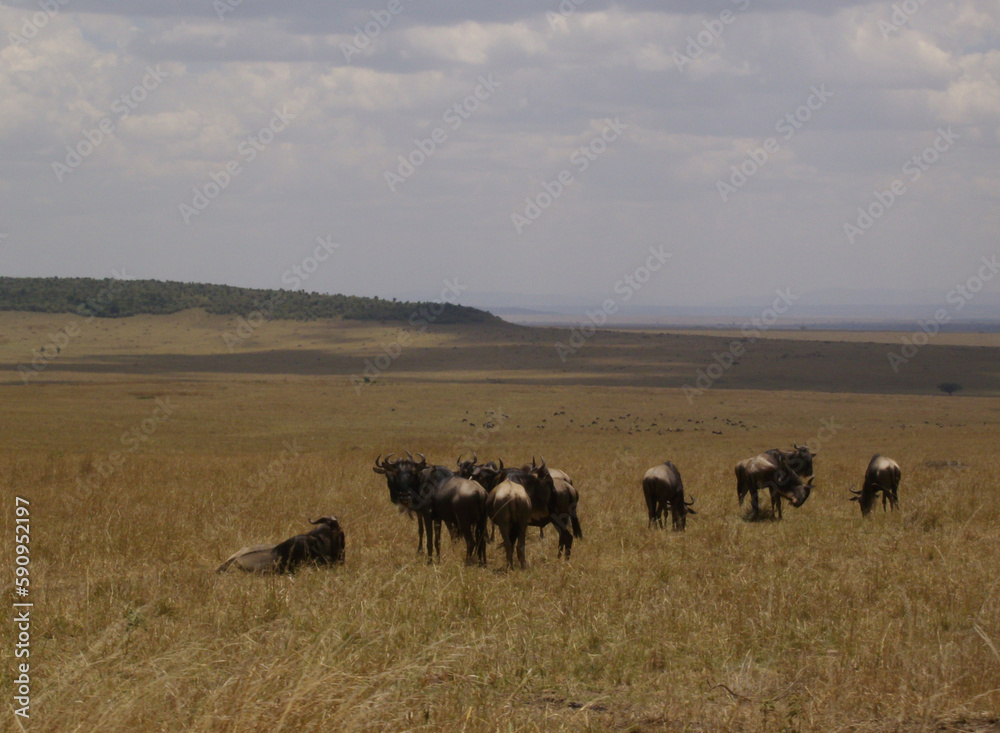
[882, 475]
[324, 545]
[509, 505]
[403, 478]
[771, 471]
[456, 501]
[662, 487]
[799, 459]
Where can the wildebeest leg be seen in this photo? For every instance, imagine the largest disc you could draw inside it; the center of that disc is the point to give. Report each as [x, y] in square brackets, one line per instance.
[754, 505]
[776, 504]
[481, 540]
[508, 545]
[437, 538]
[652, 509]
[470, 543]
[522, 535]
[429, 526]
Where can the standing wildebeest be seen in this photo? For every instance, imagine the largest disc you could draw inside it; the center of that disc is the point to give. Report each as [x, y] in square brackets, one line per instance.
[663, 488]
[324, 545]
[562, 510]
[509, 505]
[403, 478]
[882, 475]
[456, 501]
[771, 470]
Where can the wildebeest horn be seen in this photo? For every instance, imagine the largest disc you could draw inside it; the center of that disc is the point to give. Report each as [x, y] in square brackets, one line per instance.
[423, 461]
[324, 520]
[854, 491]
[475, 457]
[500, 467]
[689, 503]
[459, 461]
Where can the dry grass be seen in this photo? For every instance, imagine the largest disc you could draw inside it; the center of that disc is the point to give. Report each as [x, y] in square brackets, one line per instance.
[821, 622]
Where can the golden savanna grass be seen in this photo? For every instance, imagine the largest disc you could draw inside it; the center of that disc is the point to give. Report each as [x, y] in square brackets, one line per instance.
[821, 622]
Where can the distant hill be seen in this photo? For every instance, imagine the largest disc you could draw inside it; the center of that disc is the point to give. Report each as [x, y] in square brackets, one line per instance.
[115, 298]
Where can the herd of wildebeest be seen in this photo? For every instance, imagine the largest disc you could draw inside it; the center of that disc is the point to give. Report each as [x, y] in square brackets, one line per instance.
[467, 499]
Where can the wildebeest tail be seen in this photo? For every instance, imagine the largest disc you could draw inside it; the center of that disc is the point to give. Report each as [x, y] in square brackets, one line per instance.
[577, 532]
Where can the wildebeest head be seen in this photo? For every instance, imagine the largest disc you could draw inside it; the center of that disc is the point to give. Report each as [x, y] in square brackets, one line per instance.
[790, 486]
[543, 477]
[680, 513]
[488, 474]
[865, 499]
[465, 468]
[402, 476]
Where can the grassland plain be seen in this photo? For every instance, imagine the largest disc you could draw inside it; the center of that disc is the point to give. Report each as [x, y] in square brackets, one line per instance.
[821, 622]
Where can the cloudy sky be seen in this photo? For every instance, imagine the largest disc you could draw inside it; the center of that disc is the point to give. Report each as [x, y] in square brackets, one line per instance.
[521, 147]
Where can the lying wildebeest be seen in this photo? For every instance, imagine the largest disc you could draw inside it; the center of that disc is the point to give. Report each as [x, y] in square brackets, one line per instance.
[403, 478]
[509, 505]
[444, 497]
[771, 471]
[324, 545]
[882, 475]
[662, 487]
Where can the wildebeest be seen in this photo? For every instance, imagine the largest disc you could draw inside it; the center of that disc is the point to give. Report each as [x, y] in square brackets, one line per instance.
[509, 505]
[799, 459]
[444, 497]
[882, 475]
[324, 545]
[562, 510]
[771, 470]
[556, 505]
[662, 488]
[403, 478]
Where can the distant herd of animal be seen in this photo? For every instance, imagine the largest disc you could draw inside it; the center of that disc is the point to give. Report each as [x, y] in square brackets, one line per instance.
[513, 499]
